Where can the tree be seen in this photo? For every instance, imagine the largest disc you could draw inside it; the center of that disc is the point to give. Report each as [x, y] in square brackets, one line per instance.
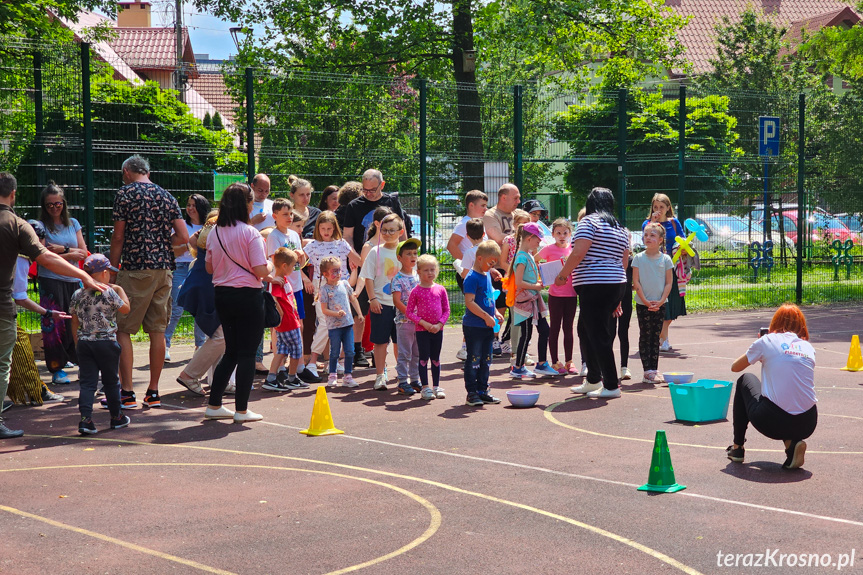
[31, 19]
[208, 121]
[217, 122]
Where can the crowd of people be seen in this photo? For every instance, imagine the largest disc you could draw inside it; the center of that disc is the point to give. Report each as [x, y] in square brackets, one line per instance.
[348, 271]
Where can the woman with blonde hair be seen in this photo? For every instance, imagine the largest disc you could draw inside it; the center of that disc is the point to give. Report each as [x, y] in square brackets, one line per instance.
[662, 212]
[782, 406]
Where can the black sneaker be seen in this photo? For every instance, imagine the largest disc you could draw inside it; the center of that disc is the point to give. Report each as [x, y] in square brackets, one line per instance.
[86, 426]
[120, 422]
[735, 455]
[488, 398]
[795, 455]
[308, 377]
[275, 385]
[295, 383]
[6, 433]
[282, 377]
[49, 396]
[127, 400]
[152, 399]
[474, 400]
[361, 361]
[496, 350]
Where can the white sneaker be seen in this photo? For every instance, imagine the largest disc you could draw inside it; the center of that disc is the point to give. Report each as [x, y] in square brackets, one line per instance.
[313, 369]
[583, 372]
[585, 388]
[427, 394]
[665, 346]
[528, 359]
[332, 380]
[506, 348]
[625, 373]
[439, 393]
[349, 381]
[167, 354]
[220, 413]
[248, 416]
[381, 382]
[462, 354]
[605, 393]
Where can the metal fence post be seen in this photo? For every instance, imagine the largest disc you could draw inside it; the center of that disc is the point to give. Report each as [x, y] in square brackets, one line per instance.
[39, 116]
[423, 165]
[518, 137]
[681, 155]
[801, 191]
[250, 123]
[621, 152]
[88, 145]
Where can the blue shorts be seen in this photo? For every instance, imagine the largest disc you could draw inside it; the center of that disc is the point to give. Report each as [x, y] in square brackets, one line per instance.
[301, 311]
[290, 343]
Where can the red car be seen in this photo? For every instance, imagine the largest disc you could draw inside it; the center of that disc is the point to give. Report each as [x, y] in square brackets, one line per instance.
[823, 226]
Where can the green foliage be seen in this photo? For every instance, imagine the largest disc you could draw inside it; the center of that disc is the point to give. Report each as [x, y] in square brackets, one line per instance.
[29, 18]
[837, 51]
[208, 121]
[217, 122]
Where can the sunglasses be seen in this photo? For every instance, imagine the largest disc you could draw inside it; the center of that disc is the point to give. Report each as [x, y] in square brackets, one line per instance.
[55, 204]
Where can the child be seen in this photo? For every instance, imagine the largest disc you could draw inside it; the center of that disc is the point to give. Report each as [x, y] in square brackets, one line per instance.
[378, 271]
[475, 230]
[477, 204]
[652, 280]
[478, 324]
[402, 286]
[529, 308]
[289, 339]
[327, 242]
[298, 221]
[94, 327]
[362, 331]
[508, 249]
[336, 298]
[428, 308]
[562, 300]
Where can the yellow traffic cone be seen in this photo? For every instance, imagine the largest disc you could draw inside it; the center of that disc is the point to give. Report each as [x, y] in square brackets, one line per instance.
[322, 418]
[661, 476]
[855, 359]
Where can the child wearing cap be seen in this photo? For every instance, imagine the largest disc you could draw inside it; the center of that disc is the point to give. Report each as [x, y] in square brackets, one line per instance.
[529, 308]
[94, 328]
[402, 285]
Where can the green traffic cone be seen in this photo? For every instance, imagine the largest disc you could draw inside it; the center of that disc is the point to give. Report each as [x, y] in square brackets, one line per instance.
[661, 476]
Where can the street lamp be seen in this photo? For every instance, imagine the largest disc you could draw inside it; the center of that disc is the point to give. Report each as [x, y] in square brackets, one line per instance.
[235, 31]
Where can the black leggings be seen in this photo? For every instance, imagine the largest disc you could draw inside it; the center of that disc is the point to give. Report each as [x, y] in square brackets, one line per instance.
[649, 328]
[623, 325]
[562, 312]
[429, 346]
[767, 417]
[241, 311]
[597, 305]
[525, 332]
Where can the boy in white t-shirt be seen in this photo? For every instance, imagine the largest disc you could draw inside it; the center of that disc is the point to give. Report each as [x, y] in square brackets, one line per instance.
[477, 204]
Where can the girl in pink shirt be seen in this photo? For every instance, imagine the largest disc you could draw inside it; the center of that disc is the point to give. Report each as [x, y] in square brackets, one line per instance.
[428, 308]
[562, 301]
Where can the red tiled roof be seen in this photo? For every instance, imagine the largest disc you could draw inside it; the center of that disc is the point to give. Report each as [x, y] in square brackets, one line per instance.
[699, 36]
[794, 35]
[151, 48]
[211, 86]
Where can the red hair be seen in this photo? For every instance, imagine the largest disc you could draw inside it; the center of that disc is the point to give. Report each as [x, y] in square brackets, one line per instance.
[789, 318]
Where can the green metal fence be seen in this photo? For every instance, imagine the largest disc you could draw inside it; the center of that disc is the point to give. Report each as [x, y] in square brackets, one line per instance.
[69, 115]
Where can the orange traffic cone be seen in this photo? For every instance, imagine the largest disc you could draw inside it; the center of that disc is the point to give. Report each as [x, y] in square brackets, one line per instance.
[322, 418]
[661, 476]
[855, 359]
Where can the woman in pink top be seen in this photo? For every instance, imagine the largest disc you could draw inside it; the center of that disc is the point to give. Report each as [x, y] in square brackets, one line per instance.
[428, 308]
[237, 258]
[562, 301]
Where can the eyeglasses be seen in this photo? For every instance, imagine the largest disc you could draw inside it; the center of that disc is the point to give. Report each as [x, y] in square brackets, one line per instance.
[389, 232]
[370, 190]
[54, 204]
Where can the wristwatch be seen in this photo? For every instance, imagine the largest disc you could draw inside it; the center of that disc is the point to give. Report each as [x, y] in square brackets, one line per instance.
[47, 314]
[65, 249]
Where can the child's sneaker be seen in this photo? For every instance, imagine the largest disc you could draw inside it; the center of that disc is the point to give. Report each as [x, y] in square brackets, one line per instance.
[295, 383]
[340, 368]
[120, 422]
[506, 348]
[127, 400]
[332, 380]
[381, 382]
[625, 373]
[349, 381]
[405, 389]
[735, 455]
[474, 400]
[418, 387]
[152, 399]
[461, 355]
[428, 394]
[486, 397]
[86, 426]
[665, 346]
[439, 393]
[275, 385]
[651, 376]
[496, 349]
[560, 368]
[544, 369]
[521, 373]
[571, 368]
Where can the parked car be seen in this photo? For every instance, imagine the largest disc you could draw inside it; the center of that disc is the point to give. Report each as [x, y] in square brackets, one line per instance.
[734, 233]
[822, 226]
[854, 222]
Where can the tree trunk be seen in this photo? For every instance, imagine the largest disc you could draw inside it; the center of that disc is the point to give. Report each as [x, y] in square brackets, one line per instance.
[471, 149]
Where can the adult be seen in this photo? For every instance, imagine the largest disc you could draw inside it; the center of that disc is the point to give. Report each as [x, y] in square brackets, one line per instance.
[197, 208]
[783, 405]
[600, 252]
[261, 215]
[498, 225]
[329, 199]
[145, 216]
[301, 195]
[63, 237]
[237, 259]
[17, 237]
[662, 212]
[360, 211]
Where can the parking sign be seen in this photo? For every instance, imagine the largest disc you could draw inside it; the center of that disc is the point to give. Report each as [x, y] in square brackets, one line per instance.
[768, 135]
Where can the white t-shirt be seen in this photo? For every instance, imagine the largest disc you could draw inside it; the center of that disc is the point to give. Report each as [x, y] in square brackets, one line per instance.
[187, 256]
[318, 250]
[469, 257]
[787, 370]
[266, 208]
[19, 286]
[292, 241]
[651, 274]
[381, 265]
[461, 230]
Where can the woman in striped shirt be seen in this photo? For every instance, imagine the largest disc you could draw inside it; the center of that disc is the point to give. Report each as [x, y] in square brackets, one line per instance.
[597, 266]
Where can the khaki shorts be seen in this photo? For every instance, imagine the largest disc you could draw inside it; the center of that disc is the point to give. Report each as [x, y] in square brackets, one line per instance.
[149, 293]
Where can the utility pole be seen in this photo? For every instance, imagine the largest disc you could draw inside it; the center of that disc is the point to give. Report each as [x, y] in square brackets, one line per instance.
[179, 74]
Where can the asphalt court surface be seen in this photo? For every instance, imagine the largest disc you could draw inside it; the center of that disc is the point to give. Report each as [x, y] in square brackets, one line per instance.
[440, 487]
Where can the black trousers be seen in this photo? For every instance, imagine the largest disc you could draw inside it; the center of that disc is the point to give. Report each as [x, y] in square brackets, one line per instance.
[597, 304]
[98, 358]
[649, 328]
[241, 311]
[767, 417]
[623, 325]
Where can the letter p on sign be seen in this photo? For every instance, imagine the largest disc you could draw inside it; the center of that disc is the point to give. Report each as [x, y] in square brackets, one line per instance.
[768, 136]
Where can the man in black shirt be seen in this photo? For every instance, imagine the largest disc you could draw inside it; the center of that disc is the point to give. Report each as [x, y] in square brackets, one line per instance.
[359, 213]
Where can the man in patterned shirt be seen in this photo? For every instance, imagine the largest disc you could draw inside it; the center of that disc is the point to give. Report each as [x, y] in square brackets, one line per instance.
[145, 215]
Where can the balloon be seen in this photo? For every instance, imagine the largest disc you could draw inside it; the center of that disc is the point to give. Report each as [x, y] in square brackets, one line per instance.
[699, 230]
[496, 326]
[495, 294]
[684, 244]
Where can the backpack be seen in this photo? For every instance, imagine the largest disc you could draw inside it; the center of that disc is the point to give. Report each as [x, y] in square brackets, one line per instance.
[508, 285]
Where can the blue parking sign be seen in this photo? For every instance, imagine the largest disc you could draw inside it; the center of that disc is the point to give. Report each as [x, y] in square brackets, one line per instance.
[768, 135]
